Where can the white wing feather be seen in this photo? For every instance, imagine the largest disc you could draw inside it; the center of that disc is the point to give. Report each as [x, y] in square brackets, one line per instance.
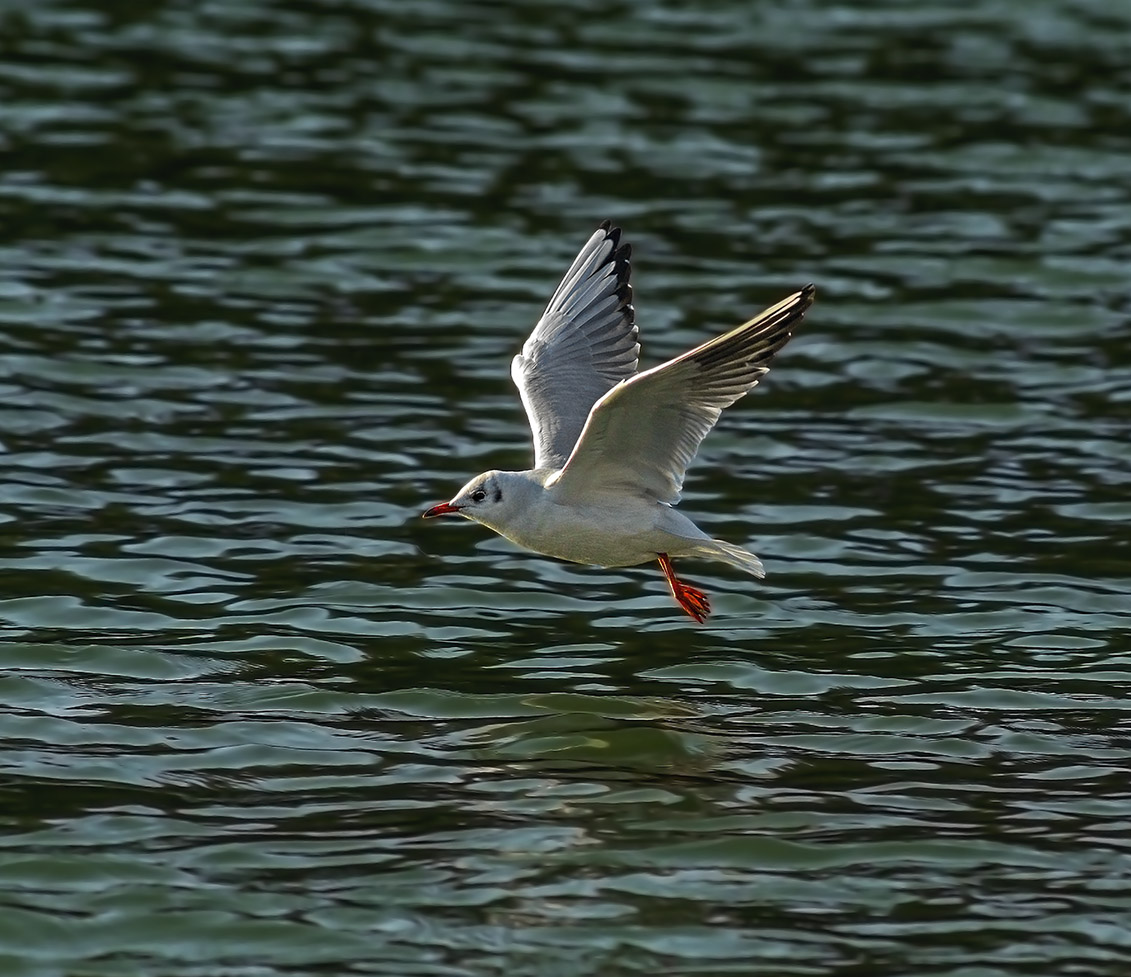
[640, 437]
[583, 346]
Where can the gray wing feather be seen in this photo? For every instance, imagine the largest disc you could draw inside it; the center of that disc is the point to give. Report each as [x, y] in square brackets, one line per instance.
[583, 346]
[640, 437]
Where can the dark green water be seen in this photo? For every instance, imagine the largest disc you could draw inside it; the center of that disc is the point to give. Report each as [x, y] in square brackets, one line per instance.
[264, 268]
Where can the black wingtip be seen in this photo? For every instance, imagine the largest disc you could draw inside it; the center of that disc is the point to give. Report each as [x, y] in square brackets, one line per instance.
[622, 265]
[612, 233]
[805, 297]
[619, 257]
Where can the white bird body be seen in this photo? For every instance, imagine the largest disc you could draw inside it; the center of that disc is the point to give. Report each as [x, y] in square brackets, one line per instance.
[611, 530]
[611, 445]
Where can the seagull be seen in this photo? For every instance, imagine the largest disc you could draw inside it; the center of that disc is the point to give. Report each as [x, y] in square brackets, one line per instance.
[611, 445]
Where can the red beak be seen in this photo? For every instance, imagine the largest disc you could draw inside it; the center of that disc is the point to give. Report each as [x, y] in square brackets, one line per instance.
[443, 509]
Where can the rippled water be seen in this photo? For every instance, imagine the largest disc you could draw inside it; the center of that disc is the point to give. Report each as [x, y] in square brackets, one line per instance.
[265, 264]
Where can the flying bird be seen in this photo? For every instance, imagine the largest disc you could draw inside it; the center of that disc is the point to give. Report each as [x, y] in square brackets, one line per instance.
[611, 445]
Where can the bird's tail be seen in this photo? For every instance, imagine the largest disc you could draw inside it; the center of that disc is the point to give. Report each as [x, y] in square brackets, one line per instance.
[736, 556]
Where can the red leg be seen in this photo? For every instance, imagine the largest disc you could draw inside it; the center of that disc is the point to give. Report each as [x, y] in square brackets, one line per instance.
[691, 600]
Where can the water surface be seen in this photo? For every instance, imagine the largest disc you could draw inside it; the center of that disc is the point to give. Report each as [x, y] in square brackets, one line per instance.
[266, 265]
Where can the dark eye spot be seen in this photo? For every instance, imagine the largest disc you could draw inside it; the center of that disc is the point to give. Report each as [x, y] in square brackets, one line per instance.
[478, 495]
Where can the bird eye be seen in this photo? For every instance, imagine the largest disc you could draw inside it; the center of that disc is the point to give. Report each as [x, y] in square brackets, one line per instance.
[478, 495]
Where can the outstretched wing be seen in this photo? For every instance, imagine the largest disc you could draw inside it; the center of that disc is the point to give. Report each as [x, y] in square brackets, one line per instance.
[641, 436]
[583, 346]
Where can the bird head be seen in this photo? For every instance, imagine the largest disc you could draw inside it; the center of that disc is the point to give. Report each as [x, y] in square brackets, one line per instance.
[483, 499]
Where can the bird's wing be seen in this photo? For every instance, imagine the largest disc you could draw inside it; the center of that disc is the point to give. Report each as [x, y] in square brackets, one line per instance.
[640, 437]
[584, 345]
